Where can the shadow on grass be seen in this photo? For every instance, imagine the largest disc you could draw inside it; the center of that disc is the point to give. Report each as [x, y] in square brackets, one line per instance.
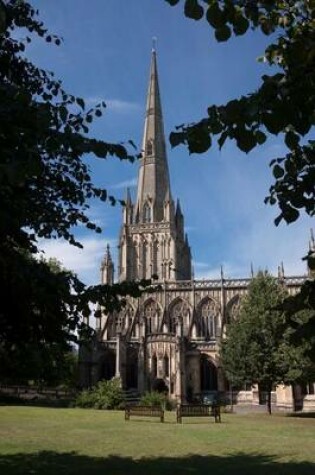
[302, 415]
[51, 463]
[35, 402]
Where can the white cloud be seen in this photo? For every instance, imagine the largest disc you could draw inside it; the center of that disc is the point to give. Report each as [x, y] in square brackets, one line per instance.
[114, 105]
[230, 271]
[84, 262]
[267, 246]
[122, 106]
[125, 184]
[93, 100]
[201, 265]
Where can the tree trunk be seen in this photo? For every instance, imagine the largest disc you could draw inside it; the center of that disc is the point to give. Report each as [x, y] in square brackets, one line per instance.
[269, 388]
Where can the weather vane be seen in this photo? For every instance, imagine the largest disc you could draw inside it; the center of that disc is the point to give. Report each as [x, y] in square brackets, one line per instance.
[154, 42]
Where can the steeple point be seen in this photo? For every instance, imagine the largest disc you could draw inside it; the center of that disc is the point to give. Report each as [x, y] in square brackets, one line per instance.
[154, 43]
[153, 180]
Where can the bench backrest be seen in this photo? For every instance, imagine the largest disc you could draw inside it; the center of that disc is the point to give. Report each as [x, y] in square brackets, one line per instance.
[197, 410]
[148, 409]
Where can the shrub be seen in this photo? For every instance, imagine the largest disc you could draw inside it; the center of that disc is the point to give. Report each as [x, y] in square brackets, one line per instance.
[156, 398]
[159, 386]
[85, 399]
[105, 395]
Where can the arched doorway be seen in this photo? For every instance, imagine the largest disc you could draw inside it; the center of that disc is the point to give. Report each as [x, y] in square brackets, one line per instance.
[108, 368]
[208, 374]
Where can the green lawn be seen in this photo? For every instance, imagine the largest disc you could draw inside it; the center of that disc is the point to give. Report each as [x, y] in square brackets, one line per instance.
[75, 441]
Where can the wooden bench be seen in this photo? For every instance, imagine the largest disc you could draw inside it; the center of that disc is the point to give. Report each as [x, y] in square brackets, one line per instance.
[146, 411]
[198, 410]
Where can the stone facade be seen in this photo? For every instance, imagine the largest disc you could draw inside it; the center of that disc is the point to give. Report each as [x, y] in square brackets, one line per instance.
[174, 334]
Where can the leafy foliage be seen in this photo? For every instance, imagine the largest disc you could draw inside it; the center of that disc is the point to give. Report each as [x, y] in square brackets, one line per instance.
[45, 184]
[258, 348]
[105, 395]
[155, 398]
[45, 191]
[300, 316]
[284, 103]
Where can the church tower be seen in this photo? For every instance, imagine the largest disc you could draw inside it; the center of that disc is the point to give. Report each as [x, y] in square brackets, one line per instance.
[152, 238]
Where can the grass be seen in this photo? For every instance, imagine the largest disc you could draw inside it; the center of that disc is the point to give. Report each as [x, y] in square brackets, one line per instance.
[76, 441]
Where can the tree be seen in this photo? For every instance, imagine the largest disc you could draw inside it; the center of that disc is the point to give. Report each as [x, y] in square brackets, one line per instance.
[300, 316]
[45, 191]
[284, 103]
[257, 348]
[40, 347]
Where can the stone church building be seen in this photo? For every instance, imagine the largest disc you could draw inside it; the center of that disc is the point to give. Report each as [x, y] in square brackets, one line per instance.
[173, 334]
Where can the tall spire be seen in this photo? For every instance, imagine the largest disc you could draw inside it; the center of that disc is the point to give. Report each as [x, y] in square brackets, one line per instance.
[152, 240]
[153, 180]
[107, 268]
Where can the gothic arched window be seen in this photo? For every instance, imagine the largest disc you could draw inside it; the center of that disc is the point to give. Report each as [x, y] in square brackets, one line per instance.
[208, 319]
[149, 313]
[146, 213]
[166, 366]
[232, 309]
[180, 309]
[154, 366]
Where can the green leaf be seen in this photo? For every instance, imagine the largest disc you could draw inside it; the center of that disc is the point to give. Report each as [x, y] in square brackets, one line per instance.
[260, 137]
[266, 25]
[297, 201]
[245, 140]
[223, 33]
[198, 138]
[215, 16]
[291, 140]
[193, 9]
[233, 110]
[100, 149]
[63, 113]
[172, 2]
[273, 122]
[80, 102]
[291, 214]
[121, 152]
[131, 142]
[241, 25]
[177, 138]
[278, 219]
[222, 139]
[278, 172]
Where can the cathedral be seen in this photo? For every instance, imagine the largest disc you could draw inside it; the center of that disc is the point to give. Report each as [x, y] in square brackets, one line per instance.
[171, 336]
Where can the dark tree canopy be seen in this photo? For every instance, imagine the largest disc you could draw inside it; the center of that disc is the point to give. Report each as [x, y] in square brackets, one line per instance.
[45, 183]
[283, 105]
[45, 190]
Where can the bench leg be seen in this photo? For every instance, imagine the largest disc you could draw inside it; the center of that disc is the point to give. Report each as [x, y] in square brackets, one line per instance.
[217, 417]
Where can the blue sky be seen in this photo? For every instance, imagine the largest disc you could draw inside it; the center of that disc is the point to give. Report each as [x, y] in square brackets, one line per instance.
[106, 56]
